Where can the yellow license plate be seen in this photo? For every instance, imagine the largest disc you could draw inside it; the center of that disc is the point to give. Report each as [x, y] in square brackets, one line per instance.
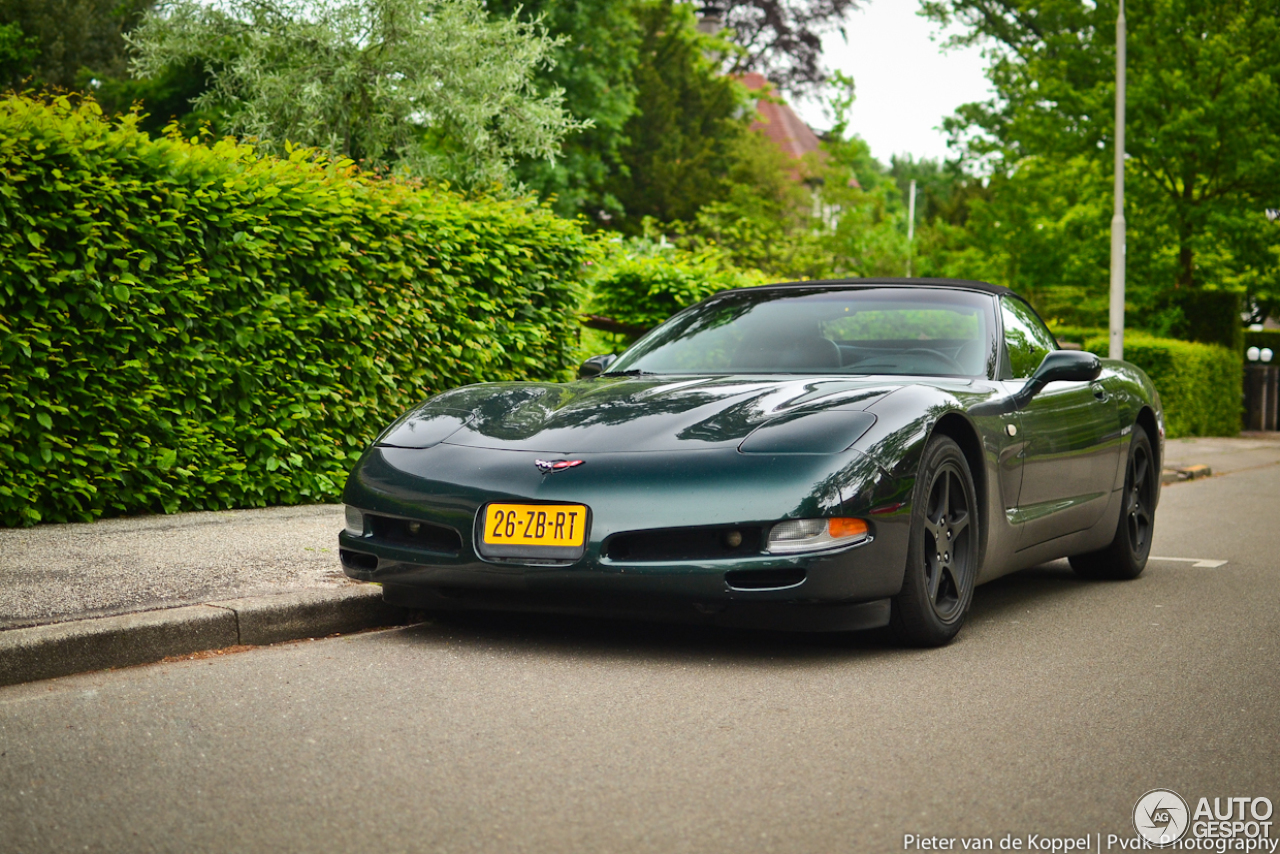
[534, 530]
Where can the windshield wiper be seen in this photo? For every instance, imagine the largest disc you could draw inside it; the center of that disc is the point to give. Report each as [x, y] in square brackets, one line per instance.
[634, 372]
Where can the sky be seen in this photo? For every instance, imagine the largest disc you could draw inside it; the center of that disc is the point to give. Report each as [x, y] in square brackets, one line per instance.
[905, 83]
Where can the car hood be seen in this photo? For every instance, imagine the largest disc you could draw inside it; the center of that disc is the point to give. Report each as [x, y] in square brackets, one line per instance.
[613, 414]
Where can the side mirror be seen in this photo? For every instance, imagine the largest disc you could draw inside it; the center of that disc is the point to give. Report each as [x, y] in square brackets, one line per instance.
[1073, 366]
[595, 366]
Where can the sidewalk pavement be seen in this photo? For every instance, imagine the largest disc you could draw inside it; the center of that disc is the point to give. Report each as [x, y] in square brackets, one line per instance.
[131, 591]
[1223, 456]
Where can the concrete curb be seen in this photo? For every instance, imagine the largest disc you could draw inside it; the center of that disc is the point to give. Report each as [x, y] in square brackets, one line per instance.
[61, 649]
[1177, 475]
[311, 613]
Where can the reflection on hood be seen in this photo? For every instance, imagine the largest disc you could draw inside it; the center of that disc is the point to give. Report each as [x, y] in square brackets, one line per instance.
[642, 413]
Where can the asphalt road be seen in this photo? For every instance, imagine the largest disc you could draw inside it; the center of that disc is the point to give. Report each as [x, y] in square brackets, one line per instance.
[1059, 705]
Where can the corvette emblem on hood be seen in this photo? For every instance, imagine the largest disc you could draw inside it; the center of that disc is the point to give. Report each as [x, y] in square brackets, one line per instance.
[548, 466]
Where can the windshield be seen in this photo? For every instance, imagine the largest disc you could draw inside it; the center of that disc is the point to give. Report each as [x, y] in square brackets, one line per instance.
[924, 331]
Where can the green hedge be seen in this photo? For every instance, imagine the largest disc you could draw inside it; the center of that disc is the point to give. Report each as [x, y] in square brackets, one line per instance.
[1210, 316]
[641, 283]
[1264, 338]
[186, 326]
[1076, 334]
[1199, 384]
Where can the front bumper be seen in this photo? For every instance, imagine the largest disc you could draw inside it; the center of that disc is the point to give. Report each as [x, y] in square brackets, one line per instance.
[447, 486]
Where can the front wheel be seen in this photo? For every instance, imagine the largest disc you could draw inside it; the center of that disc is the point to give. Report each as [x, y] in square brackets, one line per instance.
[942, 558]
[1127, 555]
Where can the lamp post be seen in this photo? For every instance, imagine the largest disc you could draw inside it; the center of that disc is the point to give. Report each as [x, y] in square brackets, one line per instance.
[1116, 350]
[911, 224]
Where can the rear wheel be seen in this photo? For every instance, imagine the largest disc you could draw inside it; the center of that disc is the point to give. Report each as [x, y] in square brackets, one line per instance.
[942, 558]
[1127, 555]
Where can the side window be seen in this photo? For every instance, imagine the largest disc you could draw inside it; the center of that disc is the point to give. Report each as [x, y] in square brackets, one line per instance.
[1026, 339]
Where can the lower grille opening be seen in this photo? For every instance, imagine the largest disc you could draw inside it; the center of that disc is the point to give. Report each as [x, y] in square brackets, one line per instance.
[415, 534]
[531, 561]
[358, 560]
[722, 541]
[763, 579]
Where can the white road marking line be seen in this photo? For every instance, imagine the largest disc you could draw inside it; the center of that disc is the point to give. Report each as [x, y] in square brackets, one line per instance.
[1196, 562]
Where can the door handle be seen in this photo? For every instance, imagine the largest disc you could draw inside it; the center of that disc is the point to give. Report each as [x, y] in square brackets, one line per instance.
[1100, 393]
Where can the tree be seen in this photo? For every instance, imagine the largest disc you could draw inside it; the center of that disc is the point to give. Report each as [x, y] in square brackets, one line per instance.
[594, 64]
[162, 98]
[863, 225]
[765, 220]
[72, 37]
[431, 87]
[943, 189]
[690, 119]
[782, 39]
[598, 60]
[18, 53]
[81, 44]
[1203, 133]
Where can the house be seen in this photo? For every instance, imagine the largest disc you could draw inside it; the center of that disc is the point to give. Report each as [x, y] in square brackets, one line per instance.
[785, 129]
[779, 122]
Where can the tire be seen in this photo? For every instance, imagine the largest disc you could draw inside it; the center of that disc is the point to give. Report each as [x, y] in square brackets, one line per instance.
[942, 557]
[1127, 555]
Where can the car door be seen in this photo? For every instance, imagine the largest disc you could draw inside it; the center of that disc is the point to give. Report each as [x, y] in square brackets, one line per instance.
[1070, 433]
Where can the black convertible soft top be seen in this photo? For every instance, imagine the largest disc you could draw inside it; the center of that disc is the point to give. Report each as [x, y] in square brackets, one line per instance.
[961, 284]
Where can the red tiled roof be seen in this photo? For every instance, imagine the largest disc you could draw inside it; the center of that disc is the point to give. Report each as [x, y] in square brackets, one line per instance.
[779, 122]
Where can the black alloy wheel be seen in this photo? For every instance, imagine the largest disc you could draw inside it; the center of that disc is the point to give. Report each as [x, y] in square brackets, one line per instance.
[1139, 500]
[1127, 555]
[946, 528]
[942, 559]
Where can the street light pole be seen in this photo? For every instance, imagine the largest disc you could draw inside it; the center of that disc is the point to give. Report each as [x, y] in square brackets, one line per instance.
[1116, 350]
[911, 224]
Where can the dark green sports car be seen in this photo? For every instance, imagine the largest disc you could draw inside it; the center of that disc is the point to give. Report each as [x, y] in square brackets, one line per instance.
[820, 456]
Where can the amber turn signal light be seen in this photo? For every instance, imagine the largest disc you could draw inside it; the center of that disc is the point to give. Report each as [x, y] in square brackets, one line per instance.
[841, 528]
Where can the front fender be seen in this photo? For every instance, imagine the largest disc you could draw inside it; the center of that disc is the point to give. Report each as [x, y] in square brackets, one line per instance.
[904, 421]
[908, 418]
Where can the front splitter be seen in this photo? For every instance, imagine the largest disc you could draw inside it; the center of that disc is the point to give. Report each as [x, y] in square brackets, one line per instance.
[780, 616]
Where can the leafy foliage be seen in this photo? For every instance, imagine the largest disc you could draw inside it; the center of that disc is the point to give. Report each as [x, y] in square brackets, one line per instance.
[18, 53]
[434, 87]
[80, 44]
[764, 221]
[1203, 124]
[70, 41]
[1043, 230]
[641, 282]
[163, 98]
[783, 38]
[1212, 317]
[688, 127]
[835, 213]
[203, 327]
[595, 58]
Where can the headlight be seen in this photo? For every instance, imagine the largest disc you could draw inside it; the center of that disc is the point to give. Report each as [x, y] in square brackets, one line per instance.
[423, 428]
[355, 522]
[808, 535]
